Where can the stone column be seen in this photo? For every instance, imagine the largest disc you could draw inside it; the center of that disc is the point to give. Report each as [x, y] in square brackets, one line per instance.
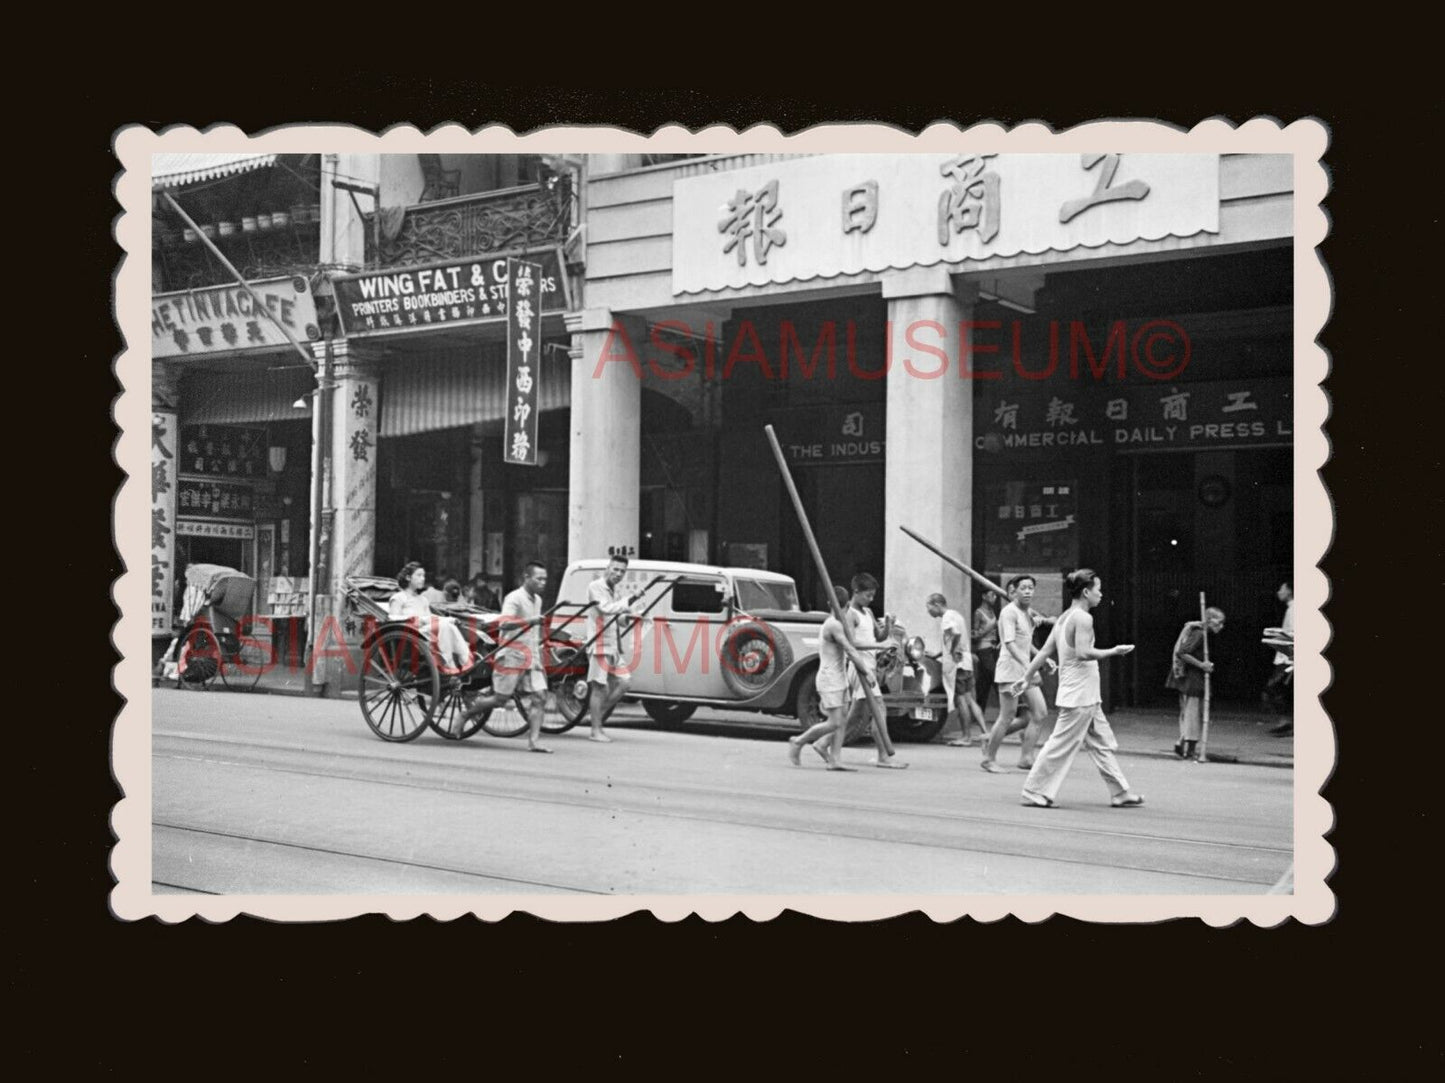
[349, 502]
[165, 466]
[929, 470]
[603, 504]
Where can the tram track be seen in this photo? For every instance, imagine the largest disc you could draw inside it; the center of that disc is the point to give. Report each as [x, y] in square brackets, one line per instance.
[367, 858]
[929, 828]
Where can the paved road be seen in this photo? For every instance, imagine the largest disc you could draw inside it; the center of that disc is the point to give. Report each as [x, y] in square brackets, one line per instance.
[272, 794]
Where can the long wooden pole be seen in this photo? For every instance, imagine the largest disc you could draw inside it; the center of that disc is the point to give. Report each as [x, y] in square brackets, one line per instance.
[960, 565]
[873, 701]
[1204, 725]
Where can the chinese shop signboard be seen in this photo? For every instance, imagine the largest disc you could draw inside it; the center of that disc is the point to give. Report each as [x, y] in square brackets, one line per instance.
[163, 515]
[524, 346]
[815, 217]
[439, 295]
[223, 451]
[834, 436]
[1032, 524]
[193, 528]
[205, 499]
[1137, 416]
[194, 323]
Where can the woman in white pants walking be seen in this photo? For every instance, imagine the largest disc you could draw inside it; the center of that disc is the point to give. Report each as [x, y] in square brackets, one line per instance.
[1081, 721]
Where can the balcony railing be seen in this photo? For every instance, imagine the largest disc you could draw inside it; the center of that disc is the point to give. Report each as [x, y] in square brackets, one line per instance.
[283, 250]
[514, 218]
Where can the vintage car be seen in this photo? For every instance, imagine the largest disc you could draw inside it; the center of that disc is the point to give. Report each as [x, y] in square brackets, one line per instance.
[737, 639]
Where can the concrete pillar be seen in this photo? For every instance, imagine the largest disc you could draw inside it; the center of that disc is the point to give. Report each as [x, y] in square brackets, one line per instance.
[343, 231]
[929, 469]
[354, 426]
[603, 501]
[165, 466]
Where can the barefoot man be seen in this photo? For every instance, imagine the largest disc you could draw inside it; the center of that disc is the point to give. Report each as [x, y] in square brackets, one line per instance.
[1081, 713]
[868, 639]
[1016, 646]
[834, 651]
[958, 670]
[521, 661]
[607, 677]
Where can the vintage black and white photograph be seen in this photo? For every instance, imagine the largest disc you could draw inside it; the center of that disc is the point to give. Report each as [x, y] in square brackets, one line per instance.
[855, 522]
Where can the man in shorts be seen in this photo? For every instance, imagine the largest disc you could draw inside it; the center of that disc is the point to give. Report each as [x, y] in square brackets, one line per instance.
[607, 677]
[835, 651]
[868, 639]
[521, 663]
[958, 673]
[1016, 648]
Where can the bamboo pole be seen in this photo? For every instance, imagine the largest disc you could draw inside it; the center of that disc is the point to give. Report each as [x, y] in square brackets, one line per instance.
[874, 703]
[1202, 756]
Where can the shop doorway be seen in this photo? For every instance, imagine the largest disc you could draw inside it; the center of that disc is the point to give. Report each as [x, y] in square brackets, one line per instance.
[845, 508]
[1220, 522]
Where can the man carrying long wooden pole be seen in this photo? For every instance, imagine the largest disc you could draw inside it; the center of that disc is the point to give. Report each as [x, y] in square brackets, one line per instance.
[869, 688]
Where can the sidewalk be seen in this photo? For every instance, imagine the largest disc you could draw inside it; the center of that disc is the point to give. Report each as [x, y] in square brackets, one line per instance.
[1235, 736]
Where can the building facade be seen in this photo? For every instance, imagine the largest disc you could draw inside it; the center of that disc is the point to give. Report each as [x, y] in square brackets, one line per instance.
[1035, 361]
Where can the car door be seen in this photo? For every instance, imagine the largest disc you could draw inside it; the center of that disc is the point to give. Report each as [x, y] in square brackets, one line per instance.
[685, 649]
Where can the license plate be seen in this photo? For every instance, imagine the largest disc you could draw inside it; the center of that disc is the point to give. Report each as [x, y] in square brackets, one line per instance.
[923, 713]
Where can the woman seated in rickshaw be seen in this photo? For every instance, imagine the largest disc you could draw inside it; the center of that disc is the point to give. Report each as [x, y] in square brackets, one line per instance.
[410, 603]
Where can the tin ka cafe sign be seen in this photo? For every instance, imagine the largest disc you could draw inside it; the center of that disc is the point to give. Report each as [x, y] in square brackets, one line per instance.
[842, 214]
[193, 323]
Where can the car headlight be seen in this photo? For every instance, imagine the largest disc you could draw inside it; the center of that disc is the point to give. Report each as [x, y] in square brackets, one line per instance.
[915, 648]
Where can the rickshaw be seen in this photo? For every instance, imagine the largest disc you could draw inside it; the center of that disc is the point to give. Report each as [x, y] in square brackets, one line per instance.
[407, 687]
[214, 634]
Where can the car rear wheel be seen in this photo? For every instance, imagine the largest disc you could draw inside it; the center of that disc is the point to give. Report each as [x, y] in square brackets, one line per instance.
[809, 706]
[668, 713]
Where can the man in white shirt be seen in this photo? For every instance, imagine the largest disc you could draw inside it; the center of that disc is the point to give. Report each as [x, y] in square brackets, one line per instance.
[521, 661]
[1280, 689]
[956, 660]
[869, 639]
[607, 677]
[1016, 648]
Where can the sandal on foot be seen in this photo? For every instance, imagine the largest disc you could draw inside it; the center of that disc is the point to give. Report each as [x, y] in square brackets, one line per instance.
[1132, 800]
[991, 767]
[1037, 800]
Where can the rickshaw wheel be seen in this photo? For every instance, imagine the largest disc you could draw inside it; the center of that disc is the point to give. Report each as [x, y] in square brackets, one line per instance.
[510, 721]
[570, 706]
[243, 665]
[443, 720]
[199, 659]
[400, 685]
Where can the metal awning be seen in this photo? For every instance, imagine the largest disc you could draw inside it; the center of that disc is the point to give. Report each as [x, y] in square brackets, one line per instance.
[174, 170]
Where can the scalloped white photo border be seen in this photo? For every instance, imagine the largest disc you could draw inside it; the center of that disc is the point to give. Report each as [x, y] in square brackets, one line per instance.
[1311, 900]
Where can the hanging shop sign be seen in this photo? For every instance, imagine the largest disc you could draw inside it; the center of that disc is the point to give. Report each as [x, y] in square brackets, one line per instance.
[1135, 417]
[193, 528]
[459, 292]
[163, 515]
[203, 498]
[223, 451]
[815, 217]
[524, 346]
[219, 319]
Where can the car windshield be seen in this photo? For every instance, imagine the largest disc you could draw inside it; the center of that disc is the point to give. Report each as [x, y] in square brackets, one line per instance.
[756, 594]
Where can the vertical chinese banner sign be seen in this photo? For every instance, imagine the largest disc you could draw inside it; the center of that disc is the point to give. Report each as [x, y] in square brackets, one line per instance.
[524, 371]
[163, 519]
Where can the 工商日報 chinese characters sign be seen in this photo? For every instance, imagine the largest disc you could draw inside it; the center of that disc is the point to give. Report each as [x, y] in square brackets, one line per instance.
[191, 323]
[828, 215]
[524, 350]
[440, 295]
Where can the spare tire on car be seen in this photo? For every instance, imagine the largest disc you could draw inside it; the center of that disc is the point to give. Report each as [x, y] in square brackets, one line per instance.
[753, 655]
